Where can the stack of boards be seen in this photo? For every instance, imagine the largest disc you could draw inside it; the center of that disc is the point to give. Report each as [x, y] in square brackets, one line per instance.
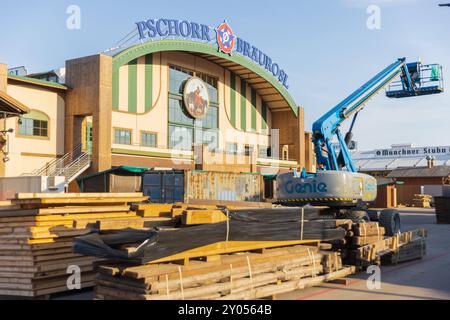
[243, 276]
[422, 201]
[37, 232]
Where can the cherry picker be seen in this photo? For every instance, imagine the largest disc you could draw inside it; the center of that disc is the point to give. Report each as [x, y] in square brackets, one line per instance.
[337, 185]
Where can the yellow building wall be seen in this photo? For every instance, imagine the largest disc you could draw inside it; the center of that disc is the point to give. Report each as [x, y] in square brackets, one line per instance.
[156, 118]
[30, 153]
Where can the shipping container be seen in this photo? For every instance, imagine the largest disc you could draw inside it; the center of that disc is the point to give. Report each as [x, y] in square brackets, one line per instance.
[185, 186]
[205, 185]
[116, 180]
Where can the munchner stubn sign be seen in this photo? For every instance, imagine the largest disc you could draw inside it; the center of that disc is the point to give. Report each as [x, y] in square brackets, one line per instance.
[223, 36]
[413, 152]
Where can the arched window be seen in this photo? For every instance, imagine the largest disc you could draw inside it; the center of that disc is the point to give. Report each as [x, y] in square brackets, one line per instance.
[34, 124]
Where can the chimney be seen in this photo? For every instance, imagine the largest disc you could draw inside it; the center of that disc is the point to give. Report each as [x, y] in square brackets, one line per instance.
[430, 161]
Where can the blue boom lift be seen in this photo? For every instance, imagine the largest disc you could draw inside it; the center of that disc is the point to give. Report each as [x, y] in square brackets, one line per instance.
[337, 183]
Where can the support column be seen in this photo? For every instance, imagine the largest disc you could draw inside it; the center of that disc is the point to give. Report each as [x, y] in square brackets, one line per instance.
[292, 133]
[90, 94]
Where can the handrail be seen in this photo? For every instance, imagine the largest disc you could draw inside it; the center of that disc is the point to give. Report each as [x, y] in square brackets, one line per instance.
[52, 168]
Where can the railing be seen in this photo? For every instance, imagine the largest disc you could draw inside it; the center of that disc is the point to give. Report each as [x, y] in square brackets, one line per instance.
[429, 75]
[77, 167]
[53, 168]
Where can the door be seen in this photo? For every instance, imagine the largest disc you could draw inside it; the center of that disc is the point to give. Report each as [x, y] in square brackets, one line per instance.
[164, 186]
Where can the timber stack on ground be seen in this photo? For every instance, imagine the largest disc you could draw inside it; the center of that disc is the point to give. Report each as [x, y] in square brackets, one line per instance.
[365, 244]
[422, 201]
[242, 276]
[37, 232]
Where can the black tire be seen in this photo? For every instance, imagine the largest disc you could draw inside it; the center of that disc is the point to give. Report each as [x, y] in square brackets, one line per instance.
[374, 215]
[390, 220]
[358, 216]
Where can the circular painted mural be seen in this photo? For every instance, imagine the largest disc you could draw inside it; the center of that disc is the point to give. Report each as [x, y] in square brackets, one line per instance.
[196, 97]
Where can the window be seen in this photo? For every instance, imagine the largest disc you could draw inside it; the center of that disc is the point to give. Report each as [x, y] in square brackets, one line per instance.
[149, 139]
[265, 152]
[209, 138]
[212, 87]
[122, 136]
[34, 124]
[178, 78]
[248, 150]
[181, 138]
[184, 130]
[177, 113]
[232, 148]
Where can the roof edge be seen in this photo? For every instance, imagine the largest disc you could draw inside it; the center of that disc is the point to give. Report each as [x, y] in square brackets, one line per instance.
[37, 82]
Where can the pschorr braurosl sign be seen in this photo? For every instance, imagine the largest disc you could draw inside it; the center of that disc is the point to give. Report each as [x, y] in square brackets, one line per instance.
[223, 36]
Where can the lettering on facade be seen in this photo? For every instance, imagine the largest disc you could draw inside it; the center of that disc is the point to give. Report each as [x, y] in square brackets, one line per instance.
[223, 36]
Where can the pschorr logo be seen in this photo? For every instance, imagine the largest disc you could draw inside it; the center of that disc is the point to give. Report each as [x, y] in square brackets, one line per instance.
[225, 38]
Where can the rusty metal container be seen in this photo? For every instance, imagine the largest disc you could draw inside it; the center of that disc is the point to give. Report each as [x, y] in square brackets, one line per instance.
[224, 186]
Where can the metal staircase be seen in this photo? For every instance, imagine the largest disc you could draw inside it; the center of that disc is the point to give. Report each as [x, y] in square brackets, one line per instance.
[70, 166]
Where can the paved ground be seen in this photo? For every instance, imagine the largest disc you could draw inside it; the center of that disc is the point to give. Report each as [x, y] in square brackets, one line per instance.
[425, 279]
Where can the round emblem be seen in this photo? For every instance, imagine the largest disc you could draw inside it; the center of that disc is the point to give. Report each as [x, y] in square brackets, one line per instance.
[225, 38]
[196, 98]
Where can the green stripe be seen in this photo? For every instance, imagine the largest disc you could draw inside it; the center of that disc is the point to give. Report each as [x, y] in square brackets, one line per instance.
[132, 86]
[243, 105]
[191, 46]
[148, 82]
[233, 99]
[264, 116]
[253, 109]
[115, 90]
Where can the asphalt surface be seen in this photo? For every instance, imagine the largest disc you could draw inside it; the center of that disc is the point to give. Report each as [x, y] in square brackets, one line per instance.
[425, 279]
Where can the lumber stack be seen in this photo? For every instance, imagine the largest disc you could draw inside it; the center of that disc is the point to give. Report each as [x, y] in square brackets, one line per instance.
[422, 201]
[241, 276]
[242, 230]
[37, 233]
[358, 235]
[442, 205]
[400, 248]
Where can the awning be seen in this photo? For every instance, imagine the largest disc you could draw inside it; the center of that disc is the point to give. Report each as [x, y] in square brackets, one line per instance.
[11, 107]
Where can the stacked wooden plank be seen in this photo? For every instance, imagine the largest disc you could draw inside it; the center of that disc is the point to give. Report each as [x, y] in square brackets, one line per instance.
[37, 232]
[242, 230]
[422, 201]
[241, 276]
[442, 205]
[400, 248]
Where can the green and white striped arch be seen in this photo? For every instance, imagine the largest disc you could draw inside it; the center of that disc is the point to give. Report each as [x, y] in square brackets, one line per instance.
[246, 110]
[133, 89]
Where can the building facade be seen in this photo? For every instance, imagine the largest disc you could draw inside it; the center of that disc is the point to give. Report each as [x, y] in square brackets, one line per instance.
[183, 103]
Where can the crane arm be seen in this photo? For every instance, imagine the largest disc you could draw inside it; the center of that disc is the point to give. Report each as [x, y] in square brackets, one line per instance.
[327, 127]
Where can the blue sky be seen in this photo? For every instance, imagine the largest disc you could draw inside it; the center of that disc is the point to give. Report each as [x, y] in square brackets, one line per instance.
[324, 45]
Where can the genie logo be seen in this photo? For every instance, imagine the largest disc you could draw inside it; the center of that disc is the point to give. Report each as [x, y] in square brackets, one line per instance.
[302, 188]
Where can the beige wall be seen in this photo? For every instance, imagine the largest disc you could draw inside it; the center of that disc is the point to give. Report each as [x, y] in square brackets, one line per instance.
[30, 153]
